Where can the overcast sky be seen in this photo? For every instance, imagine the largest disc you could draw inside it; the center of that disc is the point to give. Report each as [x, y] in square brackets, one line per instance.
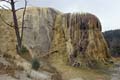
[108, 11]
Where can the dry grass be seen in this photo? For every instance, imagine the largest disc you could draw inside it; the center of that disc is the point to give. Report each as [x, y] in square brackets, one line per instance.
[60, 63]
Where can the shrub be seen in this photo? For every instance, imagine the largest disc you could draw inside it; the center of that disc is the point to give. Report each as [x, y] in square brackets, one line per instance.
[35, 64]
[24, 49]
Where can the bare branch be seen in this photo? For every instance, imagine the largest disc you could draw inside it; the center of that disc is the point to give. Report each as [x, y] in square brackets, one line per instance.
[19, 9]
[26, 27]
[23, 20]
[5, 21]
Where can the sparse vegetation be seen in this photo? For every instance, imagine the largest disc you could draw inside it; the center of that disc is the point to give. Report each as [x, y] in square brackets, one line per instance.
[28, 75]
[35, 64]
[24, 50]
[24, 53]
[7, 56]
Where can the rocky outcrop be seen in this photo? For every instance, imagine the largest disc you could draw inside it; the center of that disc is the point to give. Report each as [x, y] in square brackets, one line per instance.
[46, 29]
[62, 39]
[84, 42]
[8, 44]
[38, 31]
[22, 70]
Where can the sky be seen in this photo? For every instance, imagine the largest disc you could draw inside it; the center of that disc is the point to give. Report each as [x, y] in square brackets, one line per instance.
[108, 11]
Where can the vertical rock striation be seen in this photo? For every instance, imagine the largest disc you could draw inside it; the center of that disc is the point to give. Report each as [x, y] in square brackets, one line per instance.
[38, 32]
[85, 44]
[64, 38]
[77, 35]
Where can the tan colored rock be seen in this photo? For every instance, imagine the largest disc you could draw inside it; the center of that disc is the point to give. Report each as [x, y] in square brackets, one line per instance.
[38, 31]
[74, 38]
[81, 33]
[47, 29]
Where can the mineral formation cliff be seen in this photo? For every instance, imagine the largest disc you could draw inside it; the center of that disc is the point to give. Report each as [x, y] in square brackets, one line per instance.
[82, 37]
[78, 36]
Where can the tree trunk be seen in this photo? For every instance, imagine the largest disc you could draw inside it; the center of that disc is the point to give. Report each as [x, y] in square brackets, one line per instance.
[23, 18]
[19, 45]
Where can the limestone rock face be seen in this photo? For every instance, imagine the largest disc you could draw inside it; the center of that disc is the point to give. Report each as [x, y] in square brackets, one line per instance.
[82, 37]
[62, 38]
[77, 35]
[38, 31]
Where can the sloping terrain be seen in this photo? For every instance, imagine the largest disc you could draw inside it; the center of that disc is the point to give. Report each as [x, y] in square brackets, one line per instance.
[17, 67]
[113, 39]
[64, 44]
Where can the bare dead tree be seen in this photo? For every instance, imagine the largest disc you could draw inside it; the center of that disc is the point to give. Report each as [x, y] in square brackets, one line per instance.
[23, 20]
[19, 34]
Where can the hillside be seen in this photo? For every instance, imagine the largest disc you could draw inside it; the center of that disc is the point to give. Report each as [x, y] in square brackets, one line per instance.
[113, 39]
[67, 46]
[14, 66]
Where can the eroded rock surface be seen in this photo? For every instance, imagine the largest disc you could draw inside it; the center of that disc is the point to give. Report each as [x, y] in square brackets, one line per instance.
[81, 33]
[66, 38]
[38, 32]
